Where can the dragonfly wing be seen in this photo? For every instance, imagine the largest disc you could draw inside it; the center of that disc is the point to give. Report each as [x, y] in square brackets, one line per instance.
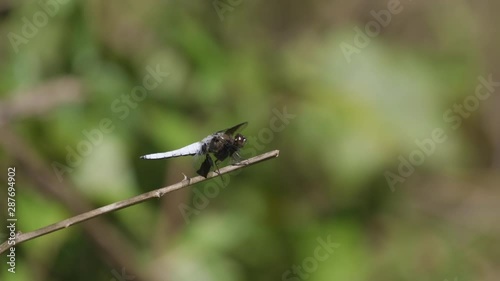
[192, 149]
[205, 166]
[233, 130]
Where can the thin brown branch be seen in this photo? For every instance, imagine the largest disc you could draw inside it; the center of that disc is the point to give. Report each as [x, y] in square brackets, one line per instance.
[22, 237]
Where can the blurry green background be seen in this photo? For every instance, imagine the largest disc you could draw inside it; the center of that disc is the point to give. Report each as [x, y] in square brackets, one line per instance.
[361, 87]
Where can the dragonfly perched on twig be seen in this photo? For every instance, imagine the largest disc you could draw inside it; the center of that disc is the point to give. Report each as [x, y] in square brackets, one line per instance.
[221, 144]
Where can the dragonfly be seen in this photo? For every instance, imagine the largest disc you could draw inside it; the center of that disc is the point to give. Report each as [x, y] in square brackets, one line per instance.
[222, 144]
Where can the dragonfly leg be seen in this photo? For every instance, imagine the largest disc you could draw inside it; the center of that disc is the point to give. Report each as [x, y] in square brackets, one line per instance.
[218, 171]
[236, 159]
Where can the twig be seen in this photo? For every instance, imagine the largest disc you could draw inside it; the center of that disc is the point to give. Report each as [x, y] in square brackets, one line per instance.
[22, 237]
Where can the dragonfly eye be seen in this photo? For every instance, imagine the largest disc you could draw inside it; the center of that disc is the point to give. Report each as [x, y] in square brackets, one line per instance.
[240, 140]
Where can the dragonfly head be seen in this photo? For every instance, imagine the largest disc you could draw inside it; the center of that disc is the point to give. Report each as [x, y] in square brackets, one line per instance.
[239, 140]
